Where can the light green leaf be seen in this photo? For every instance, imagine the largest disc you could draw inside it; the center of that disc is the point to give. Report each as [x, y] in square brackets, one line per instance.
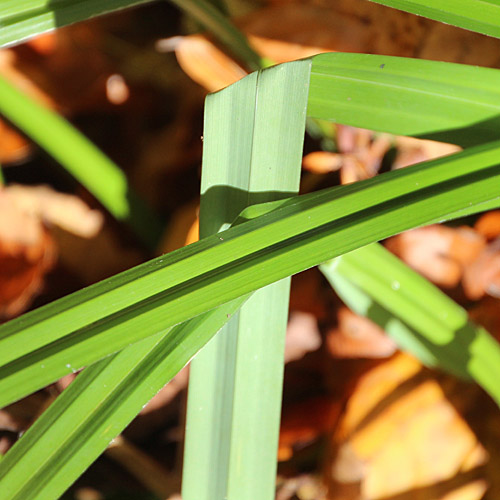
[301, 233]
[84, 161]
[235, 386]
[446, 102]
[420, 318]
[22, 19]
[209, 16]
[97, 406]
[482, 16]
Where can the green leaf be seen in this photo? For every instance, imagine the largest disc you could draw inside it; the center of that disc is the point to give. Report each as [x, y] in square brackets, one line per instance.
[301, 233]
[222, 28]
[97, 406]
[131, 306]
[84, 161]
[420, 318]
[446, 102]
[482, 16]
[296, 235]
[22, 19]
[236, 381]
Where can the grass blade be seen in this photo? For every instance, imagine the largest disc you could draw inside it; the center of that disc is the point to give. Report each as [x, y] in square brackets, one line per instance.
[482, 16]
[447, 102]
[22, 19]
[84, 161]
[420, 318]
[107, 317]
[301, 233]
[236, 382]
[97, 406]
[209, 16]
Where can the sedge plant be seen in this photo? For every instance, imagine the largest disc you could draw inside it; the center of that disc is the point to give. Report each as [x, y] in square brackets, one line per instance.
[135, 331]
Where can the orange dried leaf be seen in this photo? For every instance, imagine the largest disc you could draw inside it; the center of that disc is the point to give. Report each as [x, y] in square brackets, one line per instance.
[302, 336]
[486, 314]
[183, 228]
[305, 29]
[27, 253]
[438, 252]
[205, 63]
[63, 210]
[44, 44]
[322, 162]
[358, 337]
[408, 437]
[489, 225]
[483, 274]
[306, 294]
[411, 150]
[13, 146]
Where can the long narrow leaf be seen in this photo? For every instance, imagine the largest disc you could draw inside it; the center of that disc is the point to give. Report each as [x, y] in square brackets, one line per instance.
[105, 180]
[482, 16]
[304, 232]
[98, 424]
[448, 102]
[421, 318]
[236, 382]
[220, 26]
[22, 19]
[97, 406]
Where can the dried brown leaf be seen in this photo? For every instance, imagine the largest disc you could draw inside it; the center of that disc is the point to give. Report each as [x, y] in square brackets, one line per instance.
[358, 337]
[438, 252]
[407, 438]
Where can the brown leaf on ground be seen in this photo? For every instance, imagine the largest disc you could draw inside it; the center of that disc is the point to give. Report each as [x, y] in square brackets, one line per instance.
[322, 162]
[439, 253]
[302, 335]
[69, 69]
[358, 337]
[407, 439]
[27, 253]
[360, 155]
[411, 150]
[482, 276]
[17, 417]
[44, 44]
[13, 146]
[109, 255]
[206, 64]
[168, 393]
[360, 26]
[53, 208]
[489, 225]
[76, 229]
